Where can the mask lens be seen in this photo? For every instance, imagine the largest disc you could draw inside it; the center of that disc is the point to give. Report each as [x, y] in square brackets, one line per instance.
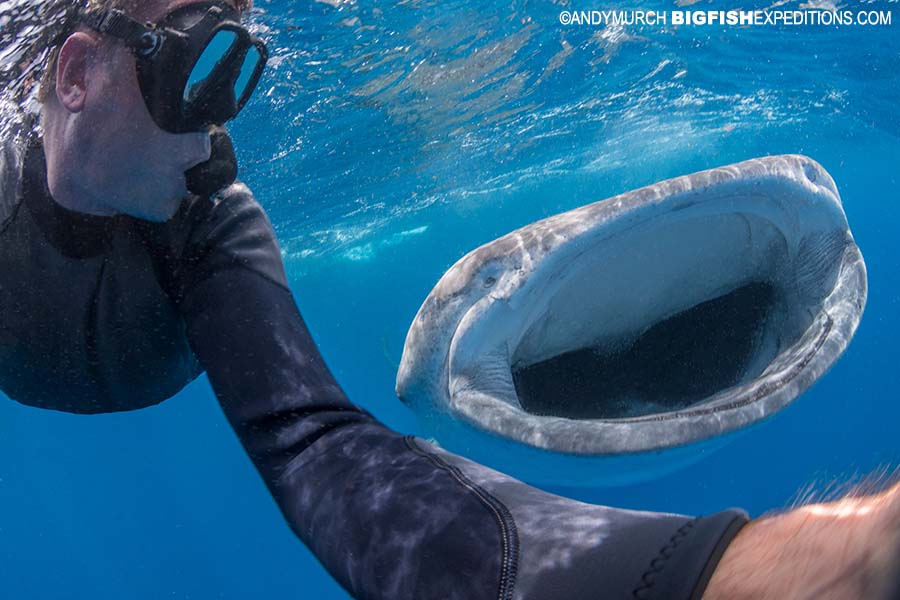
[214, 52]
[248, 68]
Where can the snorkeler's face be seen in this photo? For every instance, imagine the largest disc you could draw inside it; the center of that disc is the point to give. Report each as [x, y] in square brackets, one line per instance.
[133, 167]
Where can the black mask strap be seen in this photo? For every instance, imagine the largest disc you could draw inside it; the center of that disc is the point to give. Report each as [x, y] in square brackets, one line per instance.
[141, 38]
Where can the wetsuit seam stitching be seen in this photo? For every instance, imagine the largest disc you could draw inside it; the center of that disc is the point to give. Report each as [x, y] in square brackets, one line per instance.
[648, 579]
[502, 515]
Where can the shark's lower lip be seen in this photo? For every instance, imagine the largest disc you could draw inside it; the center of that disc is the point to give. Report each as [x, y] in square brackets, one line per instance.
[665, 316]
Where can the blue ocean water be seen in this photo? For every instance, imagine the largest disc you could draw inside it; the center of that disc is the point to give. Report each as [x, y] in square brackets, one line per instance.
[385, 141]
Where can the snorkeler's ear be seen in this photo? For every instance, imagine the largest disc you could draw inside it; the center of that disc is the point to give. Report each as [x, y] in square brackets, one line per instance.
[75, 60]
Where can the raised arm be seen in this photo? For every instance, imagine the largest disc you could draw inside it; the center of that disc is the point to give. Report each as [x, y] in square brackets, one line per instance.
[392, 516]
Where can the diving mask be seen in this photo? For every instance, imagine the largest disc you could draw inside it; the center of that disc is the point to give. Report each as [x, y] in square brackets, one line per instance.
[197, 67]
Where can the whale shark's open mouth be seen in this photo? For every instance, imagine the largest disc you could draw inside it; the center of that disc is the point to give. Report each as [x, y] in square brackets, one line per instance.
[657, 318]
[666, 315]
[674, 363]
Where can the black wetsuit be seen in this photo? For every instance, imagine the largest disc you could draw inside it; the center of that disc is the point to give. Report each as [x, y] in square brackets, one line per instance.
[100, 314]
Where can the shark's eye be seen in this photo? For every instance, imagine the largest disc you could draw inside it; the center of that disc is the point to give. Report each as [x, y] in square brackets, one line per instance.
[489, 281]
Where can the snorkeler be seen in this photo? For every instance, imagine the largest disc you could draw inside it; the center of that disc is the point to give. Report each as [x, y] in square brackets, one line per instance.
[131, 262]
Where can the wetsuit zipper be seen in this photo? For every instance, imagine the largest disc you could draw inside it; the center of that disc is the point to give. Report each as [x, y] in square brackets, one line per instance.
[508, 534]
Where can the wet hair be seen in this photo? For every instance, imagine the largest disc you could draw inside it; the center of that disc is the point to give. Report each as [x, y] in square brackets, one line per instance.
[130, 7]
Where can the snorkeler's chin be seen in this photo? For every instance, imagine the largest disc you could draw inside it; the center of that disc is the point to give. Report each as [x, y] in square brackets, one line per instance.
[159, 211]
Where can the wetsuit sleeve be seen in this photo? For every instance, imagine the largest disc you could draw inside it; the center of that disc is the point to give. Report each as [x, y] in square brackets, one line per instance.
[392, 516]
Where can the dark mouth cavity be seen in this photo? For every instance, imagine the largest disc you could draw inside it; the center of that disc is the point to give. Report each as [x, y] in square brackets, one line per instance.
[673, 364]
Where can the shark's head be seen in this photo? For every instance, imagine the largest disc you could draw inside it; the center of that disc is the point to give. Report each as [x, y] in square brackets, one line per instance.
[491, 273]
[660, 317]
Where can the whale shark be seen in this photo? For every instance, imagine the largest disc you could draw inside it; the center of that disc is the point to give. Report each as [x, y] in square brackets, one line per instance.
[657, 321]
